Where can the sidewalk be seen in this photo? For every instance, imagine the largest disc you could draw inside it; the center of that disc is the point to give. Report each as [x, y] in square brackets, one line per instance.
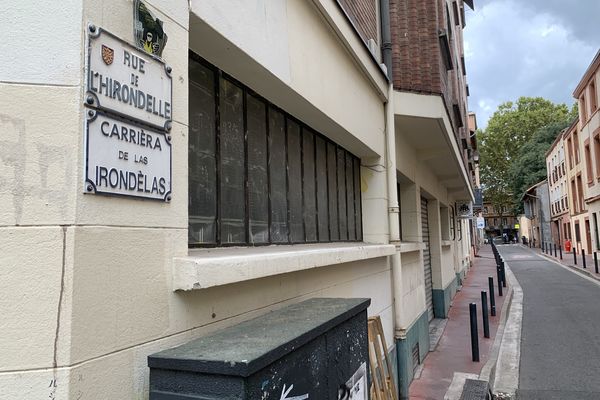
[453, 351]
[569, 261]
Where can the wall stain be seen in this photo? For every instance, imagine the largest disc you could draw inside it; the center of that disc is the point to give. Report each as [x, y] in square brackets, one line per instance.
[14, 154]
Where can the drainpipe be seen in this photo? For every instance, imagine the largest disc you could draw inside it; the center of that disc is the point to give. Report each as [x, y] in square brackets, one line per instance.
[386, 36]
[392, 189]
[393, 210]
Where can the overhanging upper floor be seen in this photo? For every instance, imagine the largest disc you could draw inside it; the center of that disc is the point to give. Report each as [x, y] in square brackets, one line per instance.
[422, 121]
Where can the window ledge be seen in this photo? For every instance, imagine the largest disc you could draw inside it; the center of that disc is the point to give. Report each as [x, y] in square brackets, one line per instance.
[408, 247]
[446, 243]
[205, 268]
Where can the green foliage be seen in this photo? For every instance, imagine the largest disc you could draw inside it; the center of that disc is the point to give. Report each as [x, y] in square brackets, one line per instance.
[529, 166]
[500, 144]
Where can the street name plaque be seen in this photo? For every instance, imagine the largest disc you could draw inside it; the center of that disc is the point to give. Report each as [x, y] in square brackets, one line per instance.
[128, 100]
[124, 80]
[126, 159]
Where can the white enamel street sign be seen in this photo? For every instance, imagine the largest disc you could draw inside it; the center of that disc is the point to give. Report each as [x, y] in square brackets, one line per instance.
[126, 81]
[126, 159]
[480, 223]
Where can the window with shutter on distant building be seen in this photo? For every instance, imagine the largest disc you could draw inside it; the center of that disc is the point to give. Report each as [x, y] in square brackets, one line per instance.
[582, 109]
[593, 97]
[597, 152]
[570, 150]
[259, 176]
[576, 147]
[574, 196]
[588, 163]
[580, 203]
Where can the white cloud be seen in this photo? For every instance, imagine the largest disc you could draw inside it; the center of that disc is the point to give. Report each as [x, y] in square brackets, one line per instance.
[513, 49]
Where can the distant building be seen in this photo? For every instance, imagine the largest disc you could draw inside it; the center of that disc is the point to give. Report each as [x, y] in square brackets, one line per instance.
[524, 227]
[477, 234]
[579, 232]
[536, 202]
[558, 187]
[499, 220]
[589, 132]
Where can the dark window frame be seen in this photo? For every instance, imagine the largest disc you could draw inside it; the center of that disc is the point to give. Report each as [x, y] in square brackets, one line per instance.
[354, 162]
[445, 49]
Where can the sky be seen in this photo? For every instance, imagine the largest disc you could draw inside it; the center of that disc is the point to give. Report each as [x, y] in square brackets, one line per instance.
[517, 48]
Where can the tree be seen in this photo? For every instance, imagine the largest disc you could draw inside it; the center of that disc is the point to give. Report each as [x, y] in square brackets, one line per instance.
[509, 128]
[529, 166]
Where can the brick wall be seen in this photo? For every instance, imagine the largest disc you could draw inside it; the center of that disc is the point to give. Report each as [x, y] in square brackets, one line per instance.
[415, 49]
[363, 14]
[418, 65]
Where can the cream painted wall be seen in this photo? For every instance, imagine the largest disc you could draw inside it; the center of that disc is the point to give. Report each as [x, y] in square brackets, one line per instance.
[587, 132]
[40, 124]
[451, 257]
[89, 292]
[88, 295]
[594, 208]
[333, 92]
[417, 171]
[413, 289]
[110, 342]
[524, 226]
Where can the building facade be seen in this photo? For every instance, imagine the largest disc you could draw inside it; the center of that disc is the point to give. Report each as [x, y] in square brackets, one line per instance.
[558, 186]
[314, 153]
[588, 97]
[477, 232]
[536, 203]
[433, 152]
[499, 222]
[580, 234]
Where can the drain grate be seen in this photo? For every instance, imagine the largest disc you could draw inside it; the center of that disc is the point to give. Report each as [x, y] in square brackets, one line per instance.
[476, 390]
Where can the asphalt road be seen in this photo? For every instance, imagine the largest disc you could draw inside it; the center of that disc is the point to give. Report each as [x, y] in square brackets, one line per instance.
[560, 337]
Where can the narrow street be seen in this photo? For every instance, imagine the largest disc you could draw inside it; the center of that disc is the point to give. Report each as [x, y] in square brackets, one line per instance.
[560, 342]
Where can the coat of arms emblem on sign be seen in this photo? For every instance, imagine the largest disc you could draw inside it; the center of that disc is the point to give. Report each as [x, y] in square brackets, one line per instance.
[108, 55]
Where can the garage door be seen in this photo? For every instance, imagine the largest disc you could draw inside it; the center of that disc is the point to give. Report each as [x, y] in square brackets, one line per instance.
[427, 258]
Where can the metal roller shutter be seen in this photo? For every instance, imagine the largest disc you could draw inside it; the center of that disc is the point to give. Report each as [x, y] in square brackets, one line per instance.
[427, 259]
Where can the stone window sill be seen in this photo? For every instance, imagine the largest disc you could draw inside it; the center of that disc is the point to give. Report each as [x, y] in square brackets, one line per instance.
[205, 268]
[408, 247]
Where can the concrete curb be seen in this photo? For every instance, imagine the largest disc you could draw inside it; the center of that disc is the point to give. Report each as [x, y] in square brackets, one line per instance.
[578, 270]
[489, 369]
[505, 380]
[457, 385]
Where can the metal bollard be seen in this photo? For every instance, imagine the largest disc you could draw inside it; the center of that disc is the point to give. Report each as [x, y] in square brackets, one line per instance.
[543, 247]
[492, 299]
[596, 261]
[554, 250]
[583, 257]
[503, 272]
[474, 334]
[484, 312]
[499, 282]
[574, 256]
[560, 251]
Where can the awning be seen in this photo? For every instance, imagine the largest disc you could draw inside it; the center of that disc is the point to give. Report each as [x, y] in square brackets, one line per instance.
[470, 4]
